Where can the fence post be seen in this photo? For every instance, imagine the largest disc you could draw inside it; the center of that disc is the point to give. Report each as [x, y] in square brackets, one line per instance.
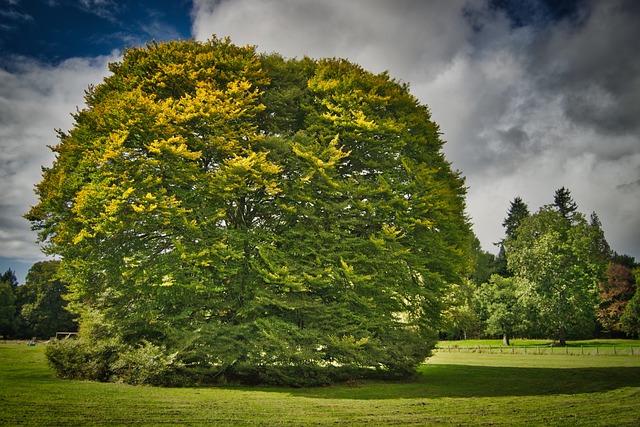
[581, 350]
[513, 349]
[596, 349]
[551, 348]
[538, 347]
[631, 348]
[566, 349]
[614, 350]
[525, 349]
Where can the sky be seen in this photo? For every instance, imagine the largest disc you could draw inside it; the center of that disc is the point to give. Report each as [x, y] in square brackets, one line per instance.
[530, 95]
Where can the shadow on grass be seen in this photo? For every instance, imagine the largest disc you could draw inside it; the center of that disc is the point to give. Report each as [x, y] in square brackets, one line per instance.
[26, 366]
[460, 381]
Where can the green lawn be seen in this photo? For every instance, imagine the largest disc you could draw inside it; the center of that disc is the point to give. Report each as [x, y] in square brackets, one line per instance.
[450, 389]
[517, 342]
[521, 346]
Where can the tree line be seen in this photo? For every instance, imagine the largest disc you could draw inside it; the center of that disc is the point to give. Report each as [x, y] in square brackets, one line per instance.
[555, 277]
[36, 309]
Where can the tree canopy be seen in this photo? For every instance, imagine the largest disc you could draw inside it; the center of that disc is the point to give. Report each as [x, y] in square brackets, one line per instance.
[498, 304]
[255, 218]
[560, 255]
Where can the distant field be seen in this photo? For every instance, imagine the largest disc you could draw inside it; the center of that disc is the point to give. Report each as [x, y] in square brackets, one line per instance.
[450, 389]
[520, 346]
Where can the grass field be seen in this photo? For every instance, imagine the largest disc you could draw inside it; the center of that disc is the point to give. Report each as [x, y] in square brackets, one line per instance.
[450, 389]
[522, 346]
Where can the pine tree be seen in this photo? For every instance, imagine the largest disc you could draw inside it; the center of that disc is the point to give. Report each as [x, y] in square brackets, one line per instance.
[564, 203]
[517, 213]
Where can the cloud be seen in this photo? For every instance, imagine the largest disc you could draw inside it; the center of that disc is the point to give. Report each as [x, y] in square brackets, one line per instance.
[526, 105]
[160, 30]
[12, 16]
[35, 99]
[375, 33]
[595, 63]
[106, 9]
[15, 15]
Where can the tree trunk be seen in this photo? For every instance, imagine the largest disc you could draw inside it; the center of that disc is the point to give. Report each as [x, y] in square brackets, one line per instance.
[562, 342]
[505, 339]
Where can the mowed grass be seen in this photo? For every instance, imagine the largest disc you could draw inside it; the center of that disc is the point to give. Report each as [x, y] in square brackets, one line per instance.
[450, 389]
[517, 342]
[584, 347]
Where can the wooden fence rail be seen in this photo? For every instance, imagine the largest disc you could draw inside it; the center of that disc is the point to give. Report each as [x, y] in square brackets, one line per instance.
[613, 350]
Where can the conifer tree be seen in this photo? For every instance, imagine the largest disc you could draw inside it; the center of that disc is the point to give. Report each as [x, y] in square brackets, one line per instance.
[564, 203]
[517, 213]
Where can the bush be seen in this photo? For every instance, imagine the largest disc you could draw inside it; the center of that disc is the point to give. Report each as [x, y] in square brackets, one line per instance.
[80, 359]
[147, 364]
[112, 361]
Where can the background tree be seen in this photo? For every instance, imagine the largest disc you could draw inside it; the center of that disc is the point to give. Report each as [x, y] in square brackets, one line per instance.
[624, 260]
[460, 318]
[517, 213]
[616, 291]
[9, 277]
[600, 246]
[564, 203]
[43, 309]
[252, 217]
[630, 321]
[483, 265]
[8, 309]
[554, 251]
[499, 307]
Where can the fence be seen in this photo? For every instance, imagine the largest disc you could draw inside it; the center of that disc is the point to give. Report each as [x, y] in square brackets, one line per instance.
[613, 350]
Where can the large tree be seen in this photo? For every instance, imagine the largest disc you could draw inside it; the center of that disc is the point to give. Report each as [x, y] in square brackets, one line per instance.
[254, 217]
[556, 250]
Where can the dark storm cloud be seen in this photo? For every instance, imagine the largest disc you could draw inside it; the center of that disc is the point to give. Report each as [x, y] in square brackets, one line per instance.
[595, 62]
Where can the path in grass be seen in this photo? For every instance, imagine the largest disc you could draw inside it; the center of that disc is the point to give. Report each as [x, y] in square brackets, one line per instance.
[452, 389]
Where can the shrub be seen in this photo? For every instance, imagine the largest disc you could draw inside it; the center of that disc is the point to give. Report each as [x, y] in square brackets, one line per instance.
[81, 359]
[147, 364]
